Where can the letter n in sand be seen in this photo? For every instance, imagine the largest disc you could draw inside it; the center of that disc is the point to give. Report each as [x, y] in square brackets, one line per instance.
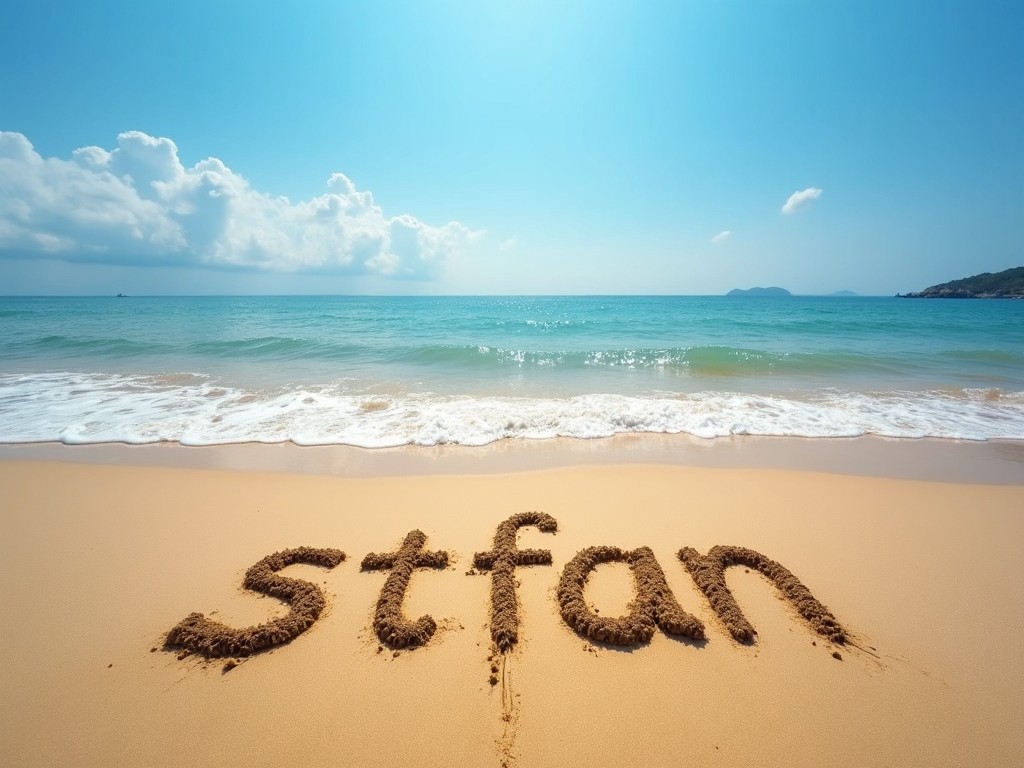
[709, 573]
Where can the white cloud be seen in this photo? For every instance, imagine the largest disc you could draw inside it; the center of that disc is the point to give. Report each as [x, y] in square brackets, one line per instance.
[725, 234]
[507, 245]
[800, 199]
[137, 204]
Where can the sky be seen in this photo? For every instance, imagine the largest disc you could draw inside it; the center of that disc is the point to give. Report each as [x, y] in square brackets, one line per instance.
[527, 147]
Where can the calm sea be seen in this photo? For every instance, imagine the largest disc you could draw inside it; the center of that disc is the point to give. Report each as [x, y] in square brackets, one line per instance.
[371, 371]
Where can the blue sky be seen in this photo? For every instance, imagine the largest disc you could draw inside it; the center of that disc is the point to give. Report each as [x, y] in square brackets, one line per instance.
[518, 147]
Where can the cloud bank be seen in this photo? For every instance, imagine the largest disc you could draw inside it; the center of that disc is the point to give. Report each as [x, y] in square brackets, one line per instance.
[137, 204]
[725, 234]
[800, 199]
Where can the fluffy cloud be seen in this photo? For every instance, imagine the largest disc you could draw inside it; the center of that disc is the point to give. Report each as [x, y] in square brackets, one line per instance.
[725, 234]
[137, 204]
[800, 199]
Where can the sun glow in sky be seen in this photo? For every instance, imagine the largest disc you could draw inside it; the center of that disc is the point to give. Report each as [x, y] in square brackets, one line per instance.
[464, 147]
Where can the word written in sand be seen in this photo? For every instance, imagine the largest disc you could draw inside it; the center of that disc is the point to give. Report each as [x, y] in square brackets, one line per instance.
[653, 607]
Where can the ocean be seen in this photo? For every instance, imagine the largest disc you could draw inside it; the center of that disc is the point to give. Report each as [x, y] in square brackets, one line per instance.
[391, 371]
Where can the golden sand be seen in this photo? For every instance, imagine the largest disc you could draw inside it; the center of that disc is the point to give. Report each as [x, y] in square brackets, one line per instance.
[921, 662]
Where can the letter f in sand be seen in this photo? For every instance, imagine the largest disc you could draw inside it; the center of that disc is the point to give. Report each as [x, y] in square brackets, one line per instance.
[502, 561]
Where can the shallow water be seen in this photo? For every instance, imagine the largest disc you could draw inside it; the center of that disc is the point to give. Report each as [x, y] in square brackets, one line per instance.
[386, 371]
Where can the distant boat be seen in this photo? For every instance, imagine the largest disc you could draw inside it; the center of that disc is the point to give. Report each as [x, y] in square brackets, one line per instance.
[122, 296]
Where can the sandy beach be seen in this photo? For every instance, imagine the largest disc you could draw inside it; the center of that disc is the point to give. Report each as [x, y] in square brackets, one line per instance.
[101, 560]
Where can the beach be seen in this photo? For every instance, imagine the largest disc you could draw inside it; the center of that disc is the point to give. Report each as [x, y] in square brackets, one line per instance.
[511, 385]
[104, 553]
[472, 531]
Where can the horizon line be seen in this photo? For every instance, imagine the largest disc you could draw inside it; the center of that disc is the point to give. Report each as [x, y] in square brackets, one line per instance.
[832, 295]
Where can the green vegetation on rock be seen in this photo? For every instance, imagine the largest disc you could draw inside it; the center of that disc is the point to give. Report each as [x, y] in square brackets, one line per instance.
[1008, 284]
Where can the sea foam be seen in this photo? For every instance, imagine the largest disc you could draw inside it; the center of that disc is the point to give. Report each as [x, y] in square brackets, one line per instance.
[193, 409]
[390, 371]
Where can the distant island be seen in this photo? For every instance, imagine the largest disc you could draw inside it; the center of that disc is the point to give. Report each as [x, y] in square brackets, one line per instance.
[759, 292]
[1008, 284]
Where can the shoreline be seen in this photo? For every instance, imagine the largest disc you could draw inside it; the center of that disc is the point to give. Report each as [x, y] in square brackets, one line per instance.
[992, 462]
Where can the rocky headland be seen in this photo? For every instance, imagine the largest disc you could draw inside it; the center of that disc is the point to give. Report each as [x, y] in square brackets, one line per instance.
[1008, 284]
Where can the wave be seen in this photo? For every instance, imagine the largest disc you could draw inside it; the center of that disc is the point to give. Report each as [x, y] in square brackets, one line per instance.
[67, 345]
[263, 348]
[692, 361]
[277, 348]
[998, 356]
[193, 409]
[696, 361]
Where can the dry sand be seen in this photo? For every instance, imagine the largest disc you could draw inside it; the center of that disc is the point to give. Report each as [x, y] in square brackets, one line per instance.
[98, 563]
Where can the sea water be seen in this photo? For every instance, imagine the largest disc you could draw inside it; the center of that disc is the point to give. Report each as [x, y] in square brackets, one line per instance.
[390, 371]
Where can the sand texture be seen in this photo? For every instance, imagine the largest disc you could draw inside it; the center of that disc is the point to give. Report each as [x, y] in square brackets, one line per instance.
[653, 606]
[605, 615]
[502, 560]
[393, 629]
[708, 572]
[211, 638]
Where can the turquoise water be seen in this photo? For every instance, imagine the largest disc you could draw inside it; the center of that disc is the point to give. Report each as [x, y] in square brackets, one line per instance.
[377, 371]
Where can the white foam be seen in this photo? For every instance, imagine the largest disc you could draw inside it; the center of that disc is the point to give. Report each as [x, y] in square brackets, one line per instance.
[194, 410]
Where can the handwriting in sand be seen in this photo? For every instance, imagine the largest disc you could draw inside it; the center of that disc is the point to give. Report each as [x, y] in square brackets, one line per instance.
[653, 607]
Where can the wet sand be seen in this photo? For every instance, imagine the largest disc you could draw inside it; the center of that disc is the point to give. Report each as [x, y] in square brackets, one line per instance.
[923, 666]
